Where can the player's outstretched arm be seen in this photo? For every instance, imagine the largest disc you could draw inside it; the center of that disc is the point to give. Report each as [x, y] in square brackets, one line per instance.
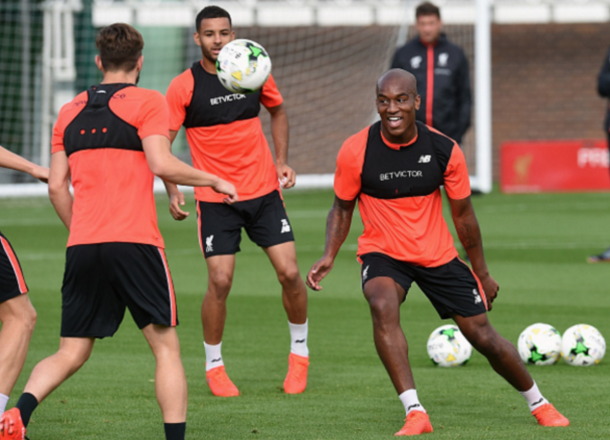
[13, 161]
[469, 233]
[176, 197]
[337, 227]
[279, 132]
[169, 168]
[59, 187]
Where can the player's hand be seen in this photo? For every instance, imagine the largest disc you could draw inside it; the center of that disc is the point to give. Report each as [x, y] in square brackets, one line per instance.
[287, 176]
[318, 271]
[228, 189]
[175, 201]
[40, 173]
[491, 288]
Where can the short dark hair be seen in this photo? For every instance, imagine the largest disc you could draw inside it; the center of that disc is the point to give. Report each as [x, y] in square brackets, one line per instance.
[427, 8]
[120, 47]
[211, 12]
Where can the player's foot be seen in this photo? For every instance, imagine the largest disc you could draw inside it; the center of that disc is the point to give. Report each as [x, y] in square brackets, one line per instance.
[417, 422]
[220, 384]
[604, 257]
[547, 415]
[296, 379]
[11, 425]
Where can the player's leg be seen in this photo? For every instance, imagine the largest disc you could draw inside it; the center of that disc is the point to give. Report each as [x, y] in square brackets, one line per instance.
[47, 375]
[505, 360]
[18, 318]
[603, 257]
[219, 228]
[294, 297]
[384, 296]
[170, 380]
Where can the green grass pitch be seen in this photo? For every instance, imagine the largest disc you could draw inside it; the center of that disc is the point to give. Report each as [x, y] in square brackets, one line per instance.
[535, 246]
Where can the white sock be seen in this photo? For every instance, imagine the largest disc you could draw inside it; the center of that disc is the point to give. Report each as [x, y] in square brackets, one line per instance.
[212, 356]
[298, 339]
[410, 401]
[3, 402]
[534, 398]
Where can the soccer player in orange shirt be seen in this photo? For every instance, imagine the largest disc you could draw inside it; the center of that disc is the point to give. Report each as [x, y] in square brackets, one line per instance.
[110, 141]
[226, 138]
[394, 169]
[17, 315]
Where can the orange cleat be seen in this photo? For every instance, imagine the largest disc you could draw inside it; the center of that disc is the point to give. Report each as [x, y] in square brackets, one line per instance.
[11, 425]
[296, 379]
[547, 415]
[220, 384]
[417, 422]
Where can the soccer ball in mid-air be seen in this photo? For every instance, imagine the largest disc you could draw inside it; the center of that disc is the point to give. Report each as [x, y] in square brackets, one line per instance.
[540, 344]
[583, 345]
[447, 347]
[243, 66]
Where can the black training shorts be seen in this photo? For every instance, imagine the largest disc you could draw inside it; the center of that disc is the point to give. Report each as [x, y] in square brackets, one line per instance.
[12, 282]
[101, 280]
[264, 219]
[452, 288]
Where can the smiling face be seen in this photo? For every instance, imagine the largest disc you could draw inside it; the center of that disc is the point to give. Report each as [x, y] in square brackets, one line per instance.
[397, 101]
[213, 34]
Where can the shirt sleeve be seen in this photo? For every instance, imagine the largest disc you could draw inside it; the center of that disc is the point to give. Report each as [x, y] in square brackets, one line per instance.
[457, 180]
[178, 97]
[350, 160]
[154, 116]
[270, 95]
[57, 141]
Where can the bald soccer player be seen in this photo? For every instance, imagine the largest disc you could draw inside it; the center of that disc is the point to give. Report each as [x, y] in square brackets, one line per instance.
[394, 169]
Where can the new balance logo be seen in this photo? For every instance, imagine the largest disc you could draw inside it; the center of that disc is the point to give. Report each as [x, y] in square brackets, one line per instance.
[416, 405]
[208, 244]
[285, 226]
[215, 360]
[299, 341]
[477, 297]
[424, 159]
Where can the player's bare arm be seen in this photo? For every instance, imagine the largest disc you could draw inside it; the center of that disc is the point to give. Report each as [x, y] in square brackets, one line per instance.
[59, 187]
[13, 161]
[469, 233]
[279, 132]
[169, 168]
[176, 197]
[337, 227]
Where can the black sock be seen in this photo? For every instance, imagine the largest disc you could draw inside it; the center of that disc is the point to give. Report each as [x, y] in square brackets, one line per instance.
[27, 403]
[175, 431]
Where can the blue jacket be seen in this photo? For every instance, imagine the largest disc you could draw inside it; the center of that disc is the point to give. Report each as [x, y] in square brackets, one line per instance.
[449, 107]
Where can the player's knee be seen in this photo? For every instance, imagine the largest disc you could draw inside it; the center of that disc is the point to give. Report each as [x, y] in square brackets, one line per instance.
[381, 306]
[289, 276]
[29, 318]
[75, 358]
[220, 283]
[486, 341]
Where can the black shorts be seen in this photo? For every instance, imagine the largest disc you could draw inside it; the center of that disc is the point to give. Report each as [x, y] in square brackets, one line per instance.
[12, 282]
[264, 219]
[102, 279]
[453, 289]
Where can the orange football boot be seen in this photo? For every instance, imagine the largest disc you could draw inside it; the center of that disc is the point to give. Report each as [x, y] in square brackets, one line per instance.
[219, 383]
[417, 422]
[11, 425]
[296, 379]
[547, 415]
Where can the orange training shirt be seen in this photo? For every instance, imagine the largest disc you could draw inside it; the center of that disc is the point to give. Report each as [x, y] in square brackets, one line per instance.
[113, 187]
[410, 229]
[227, 138]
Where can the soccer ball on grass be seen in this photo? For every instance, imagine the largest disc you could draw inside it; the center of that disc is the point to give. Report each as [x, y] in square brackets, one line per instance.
[540, 344]
[447, 347]
[243, 66]
[583, 345]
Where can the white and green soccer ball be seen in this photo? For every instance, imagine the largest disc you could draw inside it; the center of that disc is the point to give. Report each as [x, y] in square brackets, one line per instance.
[243, 66]
[583, 345]
[447, 347]
[540, 344]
